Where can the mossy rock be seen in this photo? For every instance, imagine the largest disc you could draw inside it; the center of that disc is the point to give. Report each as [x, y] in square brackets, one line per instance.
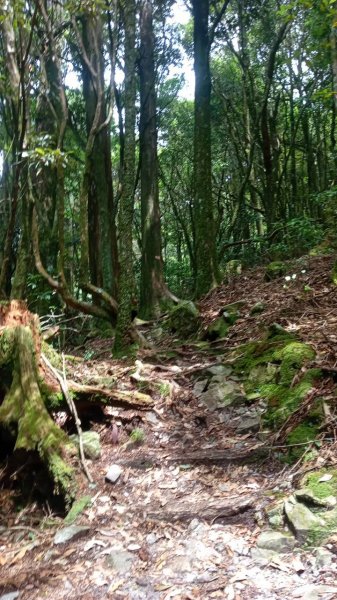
[218, 329]
[305, 432]
[269, 367]
[184, 319]
[275, 270]
[319, 484]
[233, 267]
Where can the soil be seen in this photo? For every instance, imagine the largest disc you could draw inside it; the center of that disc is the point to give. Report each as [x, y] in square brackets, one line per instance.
[182, 519]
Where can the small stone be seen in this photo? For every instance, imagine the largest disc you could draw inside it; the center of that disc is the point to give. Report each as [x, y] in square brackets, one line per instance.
[120, 560]
[263, 556]
[151, 539]
[276, 541]
[315, 592]
[248, 424]
[113, 473]
[10, 596]
[70, 533]
[259, 307]
[324, 558]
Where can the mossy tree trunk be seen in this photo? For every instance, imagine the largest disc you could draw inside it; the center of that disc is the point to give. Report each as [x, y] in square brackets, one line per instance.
[23, 411]
[126, 210]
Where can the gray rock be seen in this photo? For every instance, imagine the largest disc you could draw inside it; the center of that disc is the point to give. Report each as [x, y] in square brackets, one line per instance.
[302, 520]
[248, 424]
[113, 473]
[223, 370]
[276, 541]
[10, 596]
[324, 558]
[308, 497]
[263, 556]
[120, 560]
[221, 395]
[184, 318]
[199, 387]
[70, 533]
[91, 444]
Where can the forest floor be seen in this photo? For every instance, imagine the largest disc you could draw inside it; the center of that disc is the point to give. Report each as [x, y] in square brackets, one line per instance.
[183, 517]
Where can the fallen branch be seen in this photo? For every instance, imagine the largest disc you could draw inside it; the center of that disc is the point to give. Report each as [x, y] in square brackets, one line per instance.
[65, 390]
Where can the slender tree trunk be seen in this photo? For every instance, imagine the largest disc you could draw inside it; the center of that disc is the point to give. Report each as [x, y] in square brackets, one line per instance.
[126, 209]
[203, 203]
[151, 284]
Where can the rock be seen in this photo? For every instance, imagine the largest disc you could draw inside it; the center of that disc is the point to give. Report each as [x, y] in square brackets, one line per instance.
[91, 444]
[184, 318]
[221, 395]
[217, 329]
[233, 267]
[262, 374]
[276, 541]
[275, 270]
[307, 496]
[248, 423]
[258, 308]
[199, 387]
[10, 596]
[315, 592]
[263, 556]
[120, 560]
[113, 473]
[73, 532]
[222, 370]
[302, 520]
[324, 558]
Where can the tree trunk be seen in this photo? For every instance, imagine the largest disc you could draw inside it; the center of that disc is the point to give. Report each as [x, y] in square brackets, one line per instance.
[122, 337]
[203, 202]
[151, 284]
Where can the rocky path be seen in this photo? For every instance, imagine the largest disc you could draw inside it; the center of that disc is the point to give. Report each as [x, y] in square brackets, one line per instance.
[183, 512]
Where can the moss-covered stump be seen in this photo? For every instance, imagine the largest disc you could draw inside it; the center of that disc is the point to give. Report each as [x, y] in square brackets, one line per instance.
[22, 410]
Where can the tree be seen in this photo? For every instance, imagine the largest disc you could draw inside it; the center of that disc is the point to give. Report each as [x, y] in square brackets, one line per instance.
[206, 262]
[126, 210]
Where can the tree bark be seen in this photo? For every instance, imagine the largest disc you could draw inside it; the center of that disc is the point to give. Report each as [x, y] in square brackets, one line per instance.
[126, 210]
[206, 264]
[151, 283]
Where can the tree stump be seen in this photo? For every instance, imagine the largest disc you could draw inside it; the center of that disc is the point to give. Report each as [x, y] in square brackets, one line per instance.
[23, 409]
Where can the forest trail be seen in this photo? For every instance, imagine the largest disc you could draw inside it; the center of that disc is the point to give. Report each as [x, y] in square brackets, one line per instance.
[192, 482]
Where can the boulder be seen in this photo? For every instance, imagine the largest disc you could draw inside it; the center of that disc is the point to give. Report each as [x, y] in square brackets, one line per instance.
[73, 532]
[307, 496]
[302, 520]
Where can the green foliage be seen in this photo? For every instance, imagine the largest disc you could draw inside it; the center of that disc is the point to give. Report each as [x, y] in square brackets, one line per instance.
[137, 436]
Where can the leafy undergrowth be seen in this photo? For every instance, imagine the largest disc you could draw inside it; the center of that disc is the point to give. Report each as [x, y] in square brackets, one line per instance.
[196, 479]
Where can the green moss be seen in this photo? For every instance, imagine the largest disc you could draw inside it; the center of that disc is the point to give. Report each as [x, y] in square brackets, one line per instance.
[269, 367]
[218, 329]
[305, 432]
[54, 358]
[184, 319]
[275, 270]
[77, 508]
[63, 477]
[321, 489]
